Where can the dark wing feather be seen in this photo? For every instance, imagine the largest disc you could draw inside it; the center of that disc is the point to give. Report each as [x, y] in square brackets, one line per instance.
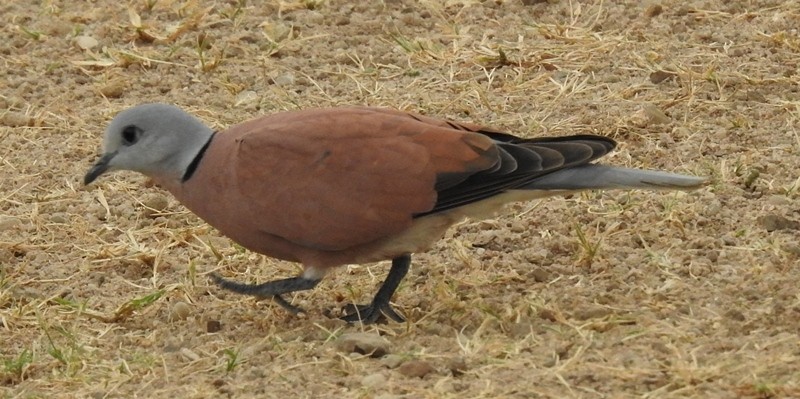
[532, 158]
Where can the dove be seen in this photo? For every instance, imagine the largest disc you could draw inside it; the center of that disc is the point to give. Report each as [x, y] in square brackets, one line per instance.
[335, 186]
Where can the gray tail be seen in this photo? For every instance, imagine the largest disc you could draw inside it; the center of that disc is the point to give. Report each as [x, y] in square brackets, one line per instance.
[591, 176]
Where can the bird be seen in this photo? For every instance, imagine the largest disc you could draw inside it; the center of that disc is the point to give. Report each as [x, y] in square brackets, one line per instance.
[327, 187]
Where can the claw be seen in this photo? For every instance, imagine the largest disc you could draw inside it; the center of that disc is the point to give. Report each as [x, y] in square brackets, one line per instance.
[372, 313]
[295, 310]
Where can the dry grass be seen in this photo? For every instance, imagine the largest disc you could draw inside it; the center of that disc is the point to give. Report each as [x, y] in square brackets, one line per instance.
[103, 290]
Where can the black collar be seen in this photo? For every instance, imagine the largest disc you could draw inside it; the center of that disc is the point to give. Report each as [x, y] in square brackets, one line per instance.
[196, 161]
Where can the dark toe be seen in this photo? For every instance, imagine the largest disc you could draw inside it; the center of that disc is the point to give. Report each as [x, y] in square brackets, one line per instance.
[370, 314]
[295, 310]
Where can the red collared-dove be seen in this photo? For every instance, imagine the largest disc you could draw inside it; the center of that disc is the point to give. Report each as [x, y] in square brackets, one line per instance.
[335, 186]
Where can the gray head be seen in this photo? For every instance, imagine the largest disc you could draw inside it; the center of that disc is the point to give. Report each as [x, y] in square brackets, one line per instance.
[158, 140]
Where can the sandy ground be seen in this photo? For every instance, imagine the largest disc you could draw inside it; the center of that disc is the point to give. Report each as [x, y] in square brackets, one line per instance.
[103, 290]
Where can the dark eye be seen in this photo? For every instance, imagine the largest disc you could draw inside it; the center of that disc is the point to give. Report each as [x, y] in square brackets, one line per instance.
[130, 135]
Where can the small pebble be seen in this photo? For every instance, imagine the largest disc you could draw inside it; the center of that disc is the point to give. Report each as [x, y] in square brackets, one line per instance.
[488, 225]
[415, 368]
[484, 238]
[777, 200]
[735, 314]
[777, 222]
[457, 365]
[655, 115]
[713, 208]
[374, 381]
[86, 42]
[548, 315]
[16, 119]
[653, 11]
[154, 204]
[190, 354]
[213, 326]
[363, 343]
[114, 89]
[276, 32]
[392, 361]
[729, 240]
[660, 76]
[246, 98]
[180, 310]
[540, 275]
[591, 312]
[58, 218]
[286, 79]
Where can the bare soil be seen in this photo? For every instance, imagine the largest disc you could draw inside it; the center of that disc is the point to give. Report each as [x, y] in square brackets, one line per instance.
[103, 290]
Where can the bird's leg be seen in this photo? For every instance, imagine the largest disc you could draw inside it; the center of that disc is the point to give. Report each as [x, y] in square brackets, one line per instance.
[369, 314]
[273, 289]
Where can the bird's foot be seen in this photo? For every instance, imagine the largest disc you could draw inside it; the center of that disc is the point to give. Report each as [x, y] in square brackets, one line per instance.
[293, 309]
[372, 313]
[271, 289]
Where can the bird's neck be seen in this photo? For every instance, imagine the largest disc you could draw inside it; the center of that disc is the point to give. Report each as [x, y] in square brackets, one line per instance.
[181, 166]
[192, 166]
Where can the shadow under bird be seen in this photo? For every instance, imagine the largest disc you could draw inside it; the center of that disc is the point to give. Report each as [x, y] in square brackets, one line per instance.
[335, 186]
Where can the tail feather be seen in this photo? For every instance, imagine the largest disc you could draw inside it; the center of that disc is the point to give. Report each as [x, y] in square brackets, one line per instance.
[591, 176]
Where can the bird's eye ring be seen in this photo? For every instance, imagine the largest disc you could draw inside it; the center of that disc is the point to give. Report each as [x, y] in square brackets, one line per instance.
[130, 135]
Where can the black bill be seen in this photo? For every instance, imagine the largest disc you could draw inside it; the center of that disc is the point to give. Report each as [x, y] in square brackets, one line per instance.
[100, 167]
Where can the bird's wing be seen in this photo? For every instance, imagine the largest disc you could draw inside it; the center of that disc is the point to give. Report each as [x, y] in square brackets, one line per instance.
[520, 162]
[336, 178]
